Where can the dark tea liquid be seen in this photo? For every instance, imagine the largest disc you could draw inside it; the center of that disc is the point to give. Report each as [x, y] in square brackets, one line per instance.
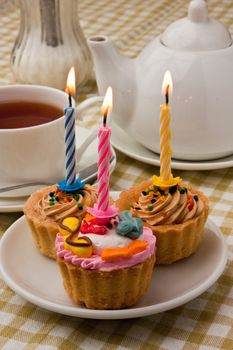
[23, 114]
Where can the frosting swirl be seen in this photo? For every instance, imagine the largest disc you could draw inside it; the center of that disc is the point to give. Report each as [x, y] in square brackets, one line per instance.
[58, 204]
[164, 206]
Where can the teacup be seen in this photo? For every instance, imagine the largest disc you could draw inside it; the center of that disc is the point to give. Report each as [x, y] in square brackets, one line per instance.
[32, 147]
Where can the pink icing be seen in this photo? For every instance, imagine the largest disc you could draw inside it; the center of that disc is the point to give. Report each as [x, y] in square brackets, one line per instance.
[95, 262]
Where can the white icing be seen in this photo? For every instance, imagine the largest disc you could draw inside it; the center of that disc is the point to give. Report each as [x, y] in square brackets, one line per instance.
[110, 240]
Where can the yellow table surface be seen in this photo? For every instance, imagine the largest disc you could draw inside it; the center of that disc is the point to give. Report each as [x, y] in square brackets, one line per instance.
[205, 323]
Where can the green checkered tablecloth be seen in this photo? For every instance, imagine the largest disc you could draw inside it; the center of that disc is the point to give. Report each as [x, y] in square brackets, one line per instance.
[204, 323]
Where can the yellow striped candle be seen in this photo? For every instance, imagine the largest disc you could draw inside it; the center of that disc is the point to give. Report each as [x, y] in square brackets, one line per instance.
[165, 131]
[166, 178]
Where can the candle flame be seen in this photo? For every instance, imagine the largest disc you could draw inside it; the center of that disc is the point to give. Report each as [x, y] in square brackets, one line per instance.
[70, 85]
[107, 103]
[167, 83]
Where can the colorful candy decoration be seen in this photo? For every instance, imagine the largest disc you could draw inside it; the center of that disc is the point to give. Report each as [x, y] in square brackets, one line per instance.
[113, 254]
[129, 226]
[125, 224]
[81, 246]
[89, 227]
[69, 225]
[96, 225]
[137, 246]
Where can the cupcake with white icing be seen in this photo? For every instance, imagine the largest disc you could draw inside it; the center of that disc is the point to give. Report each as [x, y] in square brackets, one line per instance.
[47, 207]
[106, 263]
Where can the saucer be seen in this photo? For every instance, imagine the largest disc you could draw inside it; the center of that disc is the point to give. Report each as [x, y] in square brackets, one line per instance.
[172, 285]
[127, 145]
[13, 201]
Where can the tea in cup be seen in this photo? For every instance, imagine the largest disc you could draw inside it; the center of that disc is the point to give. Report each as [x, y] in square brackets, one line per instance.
[32, 138]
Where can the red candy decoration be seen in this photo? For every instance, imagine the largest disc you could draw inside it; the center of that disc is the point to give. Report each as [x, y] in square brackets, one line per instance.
[190, 203]
[100, 221]
[91, 227]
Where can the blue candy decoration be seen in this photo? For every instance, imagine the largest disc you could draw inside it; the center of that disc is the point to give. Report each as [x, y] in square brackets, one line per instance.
[129, 226]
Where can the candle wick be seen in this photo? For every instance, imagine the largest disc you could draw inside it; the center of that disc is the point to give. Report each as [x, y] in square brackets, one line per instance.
[167, 95]
[105, 117]
[70, 101]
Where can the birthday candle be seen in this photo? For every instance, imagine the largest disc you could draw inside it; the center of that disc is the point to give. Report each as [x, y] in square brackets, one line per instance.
[104, 152]
[70, 132]
[165, 131]
[102, 208]
[166, 178]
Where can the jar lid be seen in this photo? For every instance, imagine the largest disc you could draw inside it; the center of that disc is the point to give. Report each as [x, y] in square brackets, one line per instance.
[196, 32]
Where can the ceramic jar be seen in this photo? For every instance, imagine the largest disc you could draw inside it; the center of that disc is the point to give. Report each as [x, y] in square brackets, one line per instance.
[49, 43]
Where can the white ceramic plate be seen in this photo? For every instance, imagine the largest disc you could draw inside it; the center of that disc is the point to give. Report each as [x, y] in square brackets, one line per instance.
[127, 145]
[37, 278]
[13, 201]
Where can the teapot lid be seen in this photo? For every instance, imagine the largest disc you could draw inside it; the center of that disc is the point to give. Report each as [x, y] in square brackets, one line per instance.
[196, 32]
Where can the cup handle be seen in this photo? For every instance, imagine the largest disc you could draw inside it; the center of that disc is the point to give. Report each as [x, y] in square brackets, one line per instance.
[79, 109]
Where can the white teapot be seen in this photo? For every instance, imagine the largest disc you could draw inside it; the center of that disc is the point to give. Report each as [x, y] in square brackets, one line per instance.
[199, 54]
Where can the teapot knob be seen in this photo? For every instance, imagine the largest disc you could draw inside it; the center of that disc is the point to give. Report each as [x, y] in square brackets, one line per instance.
[198, 11]
[197, 32]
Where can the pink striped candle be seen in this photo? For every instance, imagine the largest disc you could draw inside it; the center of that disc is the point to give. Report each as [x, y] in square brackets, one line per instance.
[103, 208]
[104, 150]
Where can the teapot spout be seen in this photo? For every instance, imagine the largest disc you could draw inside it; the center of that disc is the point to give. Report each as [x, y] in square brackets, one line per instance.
[114, 70]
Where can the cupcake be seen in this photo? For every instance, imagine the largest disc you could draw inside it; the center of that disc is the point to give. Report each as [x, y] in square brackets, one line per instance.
[47, 207]
[105, 262]
[176, 215]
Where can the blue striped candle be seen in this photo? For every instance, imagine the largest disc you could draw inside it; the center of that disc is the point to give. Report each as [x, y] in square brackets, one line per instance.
[70, 145]
[70, 184]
